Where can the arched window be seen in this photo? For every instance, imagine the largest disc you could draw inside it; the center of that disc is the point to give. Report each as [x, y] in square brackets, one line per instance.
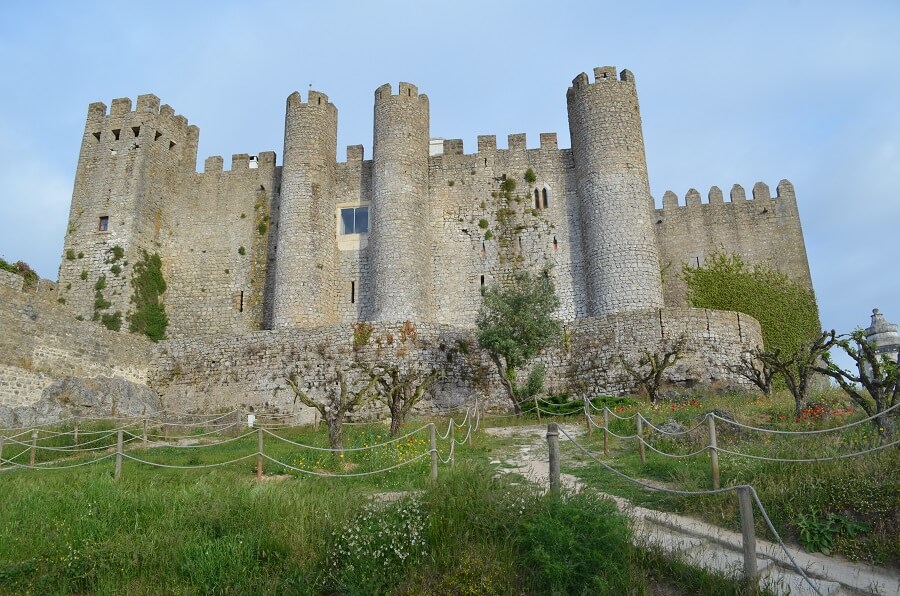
[537, 199]
[546, 197]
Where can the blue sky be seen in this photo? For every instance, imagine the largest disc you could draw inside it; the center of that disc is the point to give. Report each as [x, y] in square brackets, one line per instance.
[730, 93]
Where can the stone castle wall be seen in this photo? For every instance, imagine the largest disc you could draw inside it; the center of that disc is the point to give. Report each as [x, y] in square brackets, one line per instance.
[41, 341]
[251, 370]
[764, 230]
[259, 246]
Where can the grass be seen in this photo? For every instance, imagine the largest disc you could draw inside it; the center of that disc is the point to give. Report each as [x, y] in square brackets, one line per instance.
[216, 530]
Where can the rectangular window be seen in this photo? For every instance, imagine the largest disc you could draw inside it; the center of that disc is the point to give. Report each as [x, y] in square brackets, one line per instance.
[103, 225]
[355, 220]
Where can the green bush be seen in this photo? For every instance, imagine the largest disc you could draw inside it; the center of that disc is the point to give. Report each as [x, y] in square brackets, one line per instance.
[483, 223]
[149, 316]
[261, 228]
[113, 321]
[786, 310]
[530, 176]
[70, 254]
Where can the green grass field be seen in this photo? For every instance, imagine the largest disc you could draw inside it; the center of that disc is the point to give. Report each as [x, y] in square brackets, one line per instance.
[216, 530]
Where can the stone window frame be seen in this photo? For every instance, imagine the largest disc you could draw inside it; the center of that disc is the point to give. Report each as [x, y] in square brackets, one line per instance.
[103, 224]
[351, 241]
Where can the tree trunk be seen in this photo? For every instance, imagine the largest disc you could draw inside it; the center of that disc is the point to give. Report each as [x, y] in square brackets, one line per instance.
[396, 416]
[336, 433]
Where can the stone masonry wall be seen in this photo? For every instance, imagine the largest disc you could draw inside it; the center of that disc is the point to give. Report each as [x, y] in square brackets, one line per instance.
[763, 230]
[620, 251]
[247, 371]
[41, 340]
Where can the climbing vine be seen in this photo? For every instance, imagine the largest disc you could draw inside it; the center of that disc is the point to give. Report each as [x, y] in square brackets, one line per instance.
[786, 310]
[149, 316]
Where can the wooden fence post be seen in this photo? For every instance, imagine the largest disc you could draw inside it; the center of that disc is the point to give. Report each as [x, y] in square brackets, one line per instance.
[452, 442]
[587, 417]
[34, 437]
[553, 444]
[2, 438]
[537, 408]
[118, 472]
[259, 454]
[145, 433]
[434, 456]
[640, 437]
[605, 430]
[75, 440]
[748, 533]
[713, 451]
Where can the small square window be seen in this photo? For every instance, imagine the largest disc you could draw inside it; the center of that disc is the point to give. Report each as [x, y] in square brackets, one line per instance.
[355, 220]
[103, 225]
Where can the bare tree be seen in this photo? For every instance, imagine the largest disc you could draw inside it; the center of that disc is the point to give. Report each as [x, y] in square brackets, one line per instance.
[345, 395]
[798, 366]
[756, 370]
[400, 390]
[878, 374]
[648, 371]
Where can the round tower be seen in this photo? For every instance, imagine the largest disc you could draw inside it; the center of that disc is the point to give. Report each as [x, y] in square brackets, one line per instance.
[400, 237]
[305, 268]
[621, 259]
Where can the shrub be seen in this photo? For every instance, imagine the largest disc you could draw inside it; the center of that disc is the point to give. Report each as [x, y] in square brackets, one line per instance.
[70, 255]
[149, 316]
[113, 321]
[242, 251]
[530, 176]
[262, 228]
[483, 223]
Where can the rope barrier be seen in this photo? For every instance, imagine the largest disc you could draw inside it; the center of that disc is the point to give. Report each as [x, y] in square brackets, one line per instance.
[165, 444]
[680, 432]
[811, 459]
[698, 493]
[674, 455]
[804, 432]
[351, 475]
[66, 449]
[315, 448]
[47, 467]
[196, 467]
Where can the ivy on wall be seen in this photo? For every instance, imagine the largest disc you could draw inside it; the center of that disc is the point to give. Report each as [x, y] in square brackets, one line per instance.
[786, 311]
[149, 316]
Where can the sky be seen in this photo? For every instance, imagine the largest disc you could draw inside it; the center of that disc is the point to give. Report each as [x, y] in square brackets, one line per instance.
[730, 92]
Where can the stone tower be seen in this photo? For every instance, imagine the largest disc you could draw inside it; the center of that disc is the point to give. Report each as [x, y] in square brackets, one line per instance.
[305, 268]
[131, 167]
[621, 258]
[400, 239]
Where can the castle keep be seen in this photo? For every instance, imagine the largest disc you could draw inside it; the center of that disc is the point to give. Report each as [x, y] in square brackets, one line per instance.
[267, 255]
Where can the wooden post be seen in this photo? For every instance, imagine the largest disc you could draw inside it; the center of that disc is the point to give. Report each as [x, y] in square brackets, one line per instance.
[553, 444]
[537, 408]
[259, 454]
[748, 533]
[713, 451]
[640, 437]
[145, 433]
[605, 430]
[434, 456]
[587, 417]
[76, 435]
[452, 442]
[166, 431]
[34, 436]
[118, 472]
[1, 449]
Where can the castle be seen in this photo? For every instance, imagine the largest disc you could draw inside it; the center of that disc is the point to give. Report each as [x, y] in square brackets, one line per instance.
[271, 254]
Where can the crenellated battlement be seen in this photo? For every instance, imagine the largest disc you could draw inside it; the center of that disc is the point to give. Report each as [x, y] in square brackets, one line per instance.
[487, 146]
[602, 75]
[122, 123]
[314, 100]
[692, 199]
[404, 91]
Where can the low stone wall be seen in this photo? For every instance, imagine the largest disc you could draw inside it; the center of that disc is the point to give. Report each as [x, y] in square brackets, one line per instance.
[40, 341]
[251, 370]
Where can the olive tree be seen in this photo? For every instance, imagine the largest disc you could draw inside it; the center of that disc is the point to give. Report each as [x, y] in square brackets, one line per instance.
[515, 324]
